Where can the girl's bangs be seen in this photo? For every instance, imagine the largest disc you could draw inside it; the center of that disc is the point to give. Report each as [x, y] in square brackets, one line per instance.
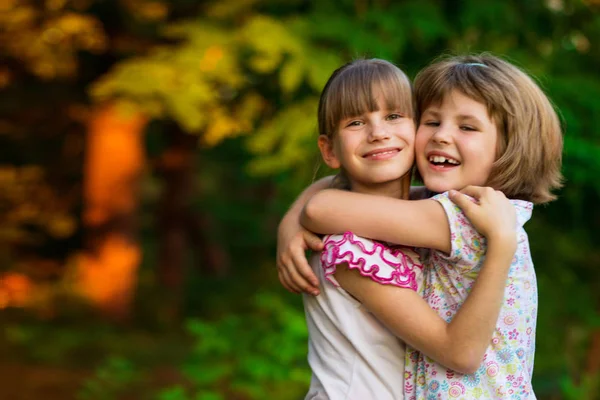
[357, 96]
[433, 87]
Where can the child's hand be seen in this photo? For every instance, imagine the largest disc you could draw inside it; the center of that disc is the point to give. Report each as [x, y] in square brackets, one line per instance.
[493, 215]
[295, 274]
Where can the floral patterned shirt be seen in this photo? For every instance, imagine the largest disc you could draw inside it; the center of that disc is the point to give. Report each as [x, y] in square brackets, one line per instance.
[506, 370]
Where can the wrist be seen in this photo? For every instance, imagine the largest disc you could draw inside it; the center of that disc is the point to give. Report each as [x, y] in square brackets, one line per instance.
[290, 223]
[504, 242]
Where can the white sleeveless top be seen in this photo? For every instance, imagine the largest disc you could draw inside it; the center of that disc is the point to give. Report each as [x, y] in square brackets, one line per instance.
[351, 354]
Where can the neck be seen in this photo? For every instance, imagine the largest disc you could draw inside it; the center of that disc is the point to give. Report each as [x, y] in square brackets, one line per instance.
[398, 189]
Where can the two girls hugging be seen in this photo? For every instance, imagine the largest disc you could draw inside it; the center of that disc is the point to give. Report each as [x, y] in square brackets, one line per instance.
[425, 292]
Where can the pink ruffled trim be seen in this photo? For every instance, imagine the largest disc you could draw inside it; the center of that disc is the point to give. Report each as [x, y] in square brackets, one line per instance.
[403, 268]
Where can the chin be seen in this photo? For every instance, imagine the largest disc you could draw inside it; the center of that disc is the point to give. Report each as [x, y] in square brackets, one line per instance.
[438, 187]
[384, 180]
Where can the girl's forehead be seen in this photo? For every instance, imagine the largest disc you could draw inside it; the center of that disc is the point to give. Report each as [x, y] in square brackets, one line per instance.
[456, 99]
[462, 106]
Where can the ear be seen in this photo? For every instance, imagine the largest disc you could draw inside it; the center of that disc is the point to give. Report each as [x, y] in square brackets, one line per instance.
[328, 152]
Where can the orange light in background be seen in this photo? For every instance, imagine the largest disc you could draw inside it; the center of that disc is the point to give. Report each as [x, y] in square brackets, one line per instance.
[107, 271]
[15, 290]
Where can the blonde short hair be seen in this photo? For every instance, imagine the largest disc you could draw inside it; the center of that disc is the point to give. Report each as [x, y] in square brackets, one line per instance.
[529, 153]
[351, 91]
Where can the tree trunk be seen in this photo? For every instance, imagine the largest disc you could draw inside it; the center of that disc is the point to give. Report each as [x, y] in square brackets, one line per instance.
[113, 167]
[181, 230]
[176, 167]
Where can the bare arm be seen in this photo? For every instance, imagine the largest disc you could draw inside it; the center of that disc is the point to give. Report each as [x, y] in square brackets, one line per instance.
[292, 217]
[460, 344]
[293, 240]
[419, 223]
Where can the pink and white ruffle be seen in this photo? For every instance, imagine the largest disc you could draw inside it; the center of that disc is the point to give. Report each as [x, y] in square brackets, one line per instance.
[383, 264]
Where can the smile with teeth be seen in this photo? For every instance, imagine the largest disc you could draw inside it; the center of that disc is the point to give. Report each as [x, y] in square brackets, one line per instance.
[442, 160]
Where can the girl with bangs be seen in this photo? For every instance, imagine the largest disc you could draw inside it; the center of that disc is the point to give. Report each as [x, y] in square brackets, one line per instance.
[481, 121]
[367, 131]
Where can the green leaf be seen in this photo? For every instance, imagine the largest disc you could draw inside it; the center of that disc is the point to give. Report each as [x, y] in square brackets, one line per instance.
[290, 75]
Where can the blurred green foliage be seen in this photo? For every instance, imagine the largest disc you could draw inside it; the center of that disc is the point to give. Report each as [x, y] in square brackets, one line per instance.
[266, 360]
[250, 71]
[256, 354]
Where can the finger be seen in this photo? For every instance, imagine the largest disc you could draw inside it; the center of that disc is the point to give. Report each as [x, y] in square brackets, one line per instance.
[302, 275]
[289, 281]
[473, 191]
[313, 242]
[284, 281]
[501, 194]
[304, 269]
[291, 262]
[298, 257]
[465, 203]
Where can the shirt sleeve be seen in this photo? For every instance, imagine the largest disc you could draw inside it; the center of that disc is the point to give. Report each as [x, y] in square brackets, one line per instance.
[467, 246]
[384, 265]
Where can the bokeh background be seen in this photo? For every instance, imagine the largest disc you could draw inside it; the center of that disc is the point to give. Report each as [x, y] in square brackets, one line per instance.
[148, 149]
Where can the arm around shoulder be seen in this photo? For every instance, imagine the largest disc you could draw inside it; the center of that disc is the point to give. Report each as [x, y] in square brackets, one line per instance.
[419, 223]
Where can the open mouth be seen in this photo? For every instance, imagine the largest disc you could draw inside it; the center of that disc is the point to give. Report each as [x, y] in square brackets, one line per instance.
[443, 161]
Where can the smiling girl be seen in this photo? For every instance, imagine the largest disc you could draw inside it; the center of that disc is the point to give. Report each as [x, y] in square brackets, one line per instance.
[481, 121]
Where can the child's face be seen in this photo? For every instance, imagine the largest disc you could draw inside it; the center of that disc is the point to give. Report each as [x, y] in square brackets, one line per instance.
[373, 148]
[455, 144]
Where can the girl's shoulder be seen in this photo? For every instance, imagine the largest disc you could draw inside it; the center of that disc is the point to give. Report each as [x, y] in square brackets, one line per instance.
[383, 263]
[455, 215]
[467, 245]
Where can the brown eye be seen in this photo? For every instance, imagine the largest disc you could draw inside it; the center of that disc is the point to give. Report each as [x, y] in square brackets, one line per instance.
[354, 123]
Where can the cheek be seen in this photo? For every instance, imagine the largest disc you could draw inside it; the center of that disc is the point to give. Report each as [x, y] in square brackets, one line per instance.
[491, 148]
[481, 159]
[341, 144]
[410, 139]
[421, 140]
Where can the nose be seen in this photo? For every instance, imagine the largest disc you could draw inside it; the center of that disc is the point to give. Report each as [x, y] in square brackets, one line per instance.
[442, 135]
[378, 131]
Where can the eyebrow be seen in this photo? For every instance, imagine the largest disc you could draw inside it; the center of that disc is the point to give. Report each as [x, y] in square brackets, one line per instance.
[432, 112]
[468, 117]
[460, 117]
